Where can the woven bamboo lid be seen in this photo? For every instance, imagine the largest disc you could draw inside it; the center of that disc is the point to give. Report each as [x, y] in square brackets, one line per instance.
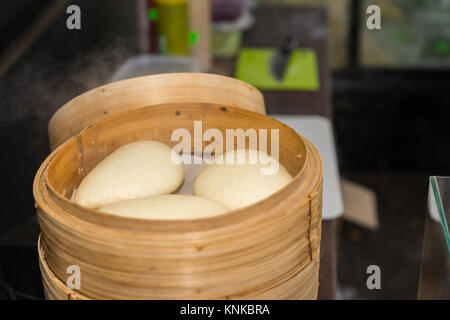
[140, 92]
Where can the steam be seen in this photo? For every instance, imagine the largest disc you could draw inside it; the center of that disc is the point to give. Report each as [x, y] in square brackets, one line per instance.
[40, 85]
[29, 94]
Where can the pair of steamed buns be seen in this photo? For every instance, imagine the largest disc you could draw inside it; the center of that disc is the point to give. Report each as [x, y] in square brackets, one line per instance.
[137, 180]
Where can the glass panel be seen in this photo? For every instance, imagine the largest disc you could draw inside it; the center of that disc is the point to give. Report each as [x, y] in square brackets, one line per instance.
[435, 268]
[441, 192]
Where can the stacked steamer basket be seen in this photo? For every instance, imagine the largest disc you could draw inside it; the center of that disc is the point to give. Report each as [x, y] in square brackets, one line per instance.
[268, 250]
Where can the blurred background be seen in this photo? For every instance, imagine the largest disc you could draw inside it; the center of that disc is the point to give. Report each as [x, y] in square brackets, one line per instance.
[384, 92]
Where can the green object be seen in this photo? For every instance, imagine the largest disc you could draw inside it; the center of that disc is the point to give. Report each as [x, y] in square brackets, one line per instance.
[226, 44]
[442, 47]
[399, 37]
[193, 38]
[153, 14]
[173, 27]
[254, 67]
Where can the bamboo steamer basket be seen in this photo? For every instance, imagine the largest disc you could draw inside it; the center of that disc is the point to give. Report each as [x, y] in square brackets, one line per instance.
[139, 92]
[269, 250]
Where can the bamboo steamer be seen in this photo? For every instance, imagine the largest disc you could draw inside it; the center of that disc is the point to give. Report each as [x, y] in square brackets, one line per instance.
[269, 250]
[139, 92]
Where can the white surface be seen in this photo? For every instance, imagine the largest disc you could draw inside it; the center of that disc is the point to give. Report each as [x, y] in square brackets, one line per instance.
[319, 131]
[143, 65]
[244, 22]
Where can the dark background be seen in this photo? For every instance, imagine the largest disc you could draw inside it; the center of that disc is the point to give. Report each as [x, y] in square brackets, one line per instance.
[390, 127]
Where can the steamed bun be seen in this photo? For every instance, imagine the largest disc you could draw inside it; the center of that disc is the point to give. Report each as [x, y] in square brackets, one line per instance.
[238, 185]
[166, 207]
[139, 169]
